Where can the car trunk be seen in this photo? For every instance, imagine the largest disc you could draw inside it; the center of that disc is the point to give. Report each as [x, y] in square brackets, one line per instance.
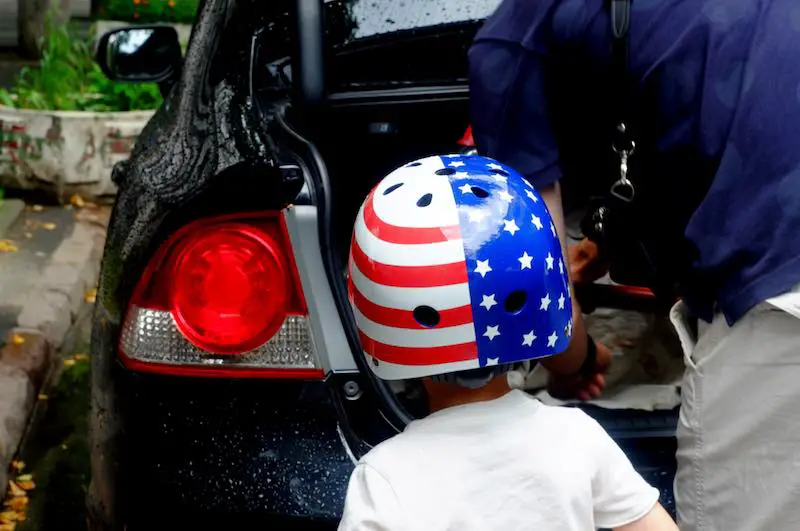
[362, 136]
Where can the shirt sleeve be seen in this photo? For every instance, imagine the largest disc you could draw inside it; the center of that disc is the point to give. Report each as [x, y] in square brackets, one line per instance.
[508, 109]
[621, 495]
[371, 503]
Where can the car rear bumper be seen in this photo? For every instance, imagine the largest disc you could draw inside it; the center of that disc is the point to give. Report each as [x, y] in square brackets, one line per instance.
[247, 453]
[240, 452]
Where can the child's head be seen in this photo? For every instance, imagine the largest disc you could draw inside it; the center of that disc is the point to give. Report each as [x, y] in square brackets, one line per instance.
[456, 273]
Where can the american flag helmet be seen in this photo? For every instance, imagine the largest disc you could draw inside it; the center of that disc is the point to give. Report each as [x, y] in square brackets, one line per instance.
[455, 265]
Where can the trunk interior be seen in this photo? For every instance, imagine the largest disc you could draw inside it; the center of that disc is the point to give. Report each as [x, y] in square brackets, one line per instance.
[362, 137]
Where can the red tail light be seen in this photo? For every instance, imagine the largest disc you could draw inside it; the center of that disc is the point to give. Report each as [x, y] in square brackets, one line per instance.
[221, 297]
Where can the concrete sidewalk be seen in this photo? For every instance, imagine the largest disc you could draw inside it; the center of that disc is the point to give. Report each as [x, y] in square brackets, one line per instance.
[45, 281]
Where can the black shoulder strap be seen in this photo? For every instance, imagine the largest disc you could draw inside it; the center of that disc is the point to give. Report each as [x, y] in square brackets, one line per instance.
[620, 15]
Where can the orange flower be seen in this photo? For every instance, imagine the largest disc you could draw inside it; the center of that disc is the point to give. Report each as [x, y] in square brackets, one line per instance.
[171, 3]
[137, 2]
[135, 15]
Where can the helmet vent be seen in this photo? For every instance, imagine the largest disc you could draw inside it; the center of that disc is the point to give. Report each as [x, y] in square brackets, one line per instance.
[413, 164]
[392, 188]
[446, 171]
[515, 301]
[504, 173]
[480, 192]
[425, 200]
[426, 316]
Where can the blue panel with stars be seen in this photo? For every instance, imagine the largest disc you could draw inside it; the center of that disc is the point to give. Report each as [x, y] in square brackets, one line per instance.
[516, 272]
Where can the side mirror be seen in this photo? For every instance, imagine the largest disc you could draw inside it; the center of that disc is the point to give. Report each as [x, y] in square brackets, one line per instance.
[141, 54]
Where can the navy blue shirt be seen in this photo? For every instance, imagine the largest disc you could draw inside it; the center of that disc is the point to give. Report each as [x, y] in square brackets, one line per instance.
[715, 89]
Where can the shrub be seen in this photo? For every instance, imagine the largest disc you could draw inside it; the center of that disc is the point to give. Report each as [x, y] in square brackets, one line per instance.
[147, 11]
[68, 79]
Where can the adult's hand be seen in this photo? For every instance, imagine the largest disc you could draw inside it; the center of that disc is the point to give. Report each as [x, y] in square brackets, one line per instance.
[583, 387]
[585, 262]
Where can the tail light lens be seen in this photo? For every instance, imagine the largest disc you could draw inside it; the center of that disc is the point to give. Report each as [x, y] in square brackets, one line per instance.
[221, 297]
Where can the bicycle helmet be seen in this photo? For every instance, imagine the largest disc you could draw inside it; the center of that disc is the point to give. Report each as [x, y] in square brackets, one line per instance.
[455, 265]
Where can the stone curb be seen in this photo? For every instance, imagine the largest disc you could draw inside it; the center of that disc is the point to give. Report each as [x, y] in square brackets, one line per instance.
[10, 209]
[27, 355]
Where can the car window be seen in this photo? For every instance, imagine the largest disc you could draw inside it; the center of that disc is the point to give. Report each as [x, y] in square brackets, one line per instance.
[370, 18]
[394, 43]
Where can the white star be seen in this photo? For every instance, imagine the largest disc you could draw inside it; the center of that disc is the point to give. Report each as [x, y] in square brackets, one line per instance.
[505, 196]
[465, 189]
[536, 221]
[531, 195]
[552, 228]
[561, 301]
[568, 328]
[476, 216]
[493, 166]
[549, 261]
[527, 339]
[492, 361]
[460, 175]
[551, 339]
[510, 226]
[527, 183]
[483, 268]
[488, 301]
[525, 261]
[492, 332]
[456, 164]
[499, 178]
[545, 302]
[560, 266]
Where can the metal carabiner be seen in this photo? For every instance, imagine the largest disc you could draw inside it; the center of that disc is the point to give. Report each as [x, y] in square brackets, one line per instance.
[623, 188]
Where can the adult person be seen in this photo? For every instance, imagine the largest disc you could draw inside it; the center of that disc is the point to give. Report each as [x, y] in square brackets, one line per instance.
[713, 88]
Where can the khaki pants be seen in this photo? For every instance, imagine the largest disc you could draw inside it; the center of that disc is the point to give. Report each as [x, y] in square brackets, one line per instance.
[739, 428]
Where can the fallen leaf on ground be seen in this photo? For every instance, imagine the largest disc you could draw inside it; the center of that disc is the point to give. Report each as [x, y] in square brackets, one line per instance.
[77, 201]
[9, 526]
[37, 208]
[26, 482]
[8, 247]
[29, 235]
[17, 503]
[8, 517]
[69, 362]
[14, 490]
[17, 466]
[81, 357]
[49, 226]
[32, 223]
[43, 396]
[17, 339]
[90, 296]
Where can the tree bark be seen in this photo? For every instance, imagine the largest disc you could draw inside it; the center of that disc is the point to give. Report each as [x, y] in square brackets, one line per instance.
[31, 17]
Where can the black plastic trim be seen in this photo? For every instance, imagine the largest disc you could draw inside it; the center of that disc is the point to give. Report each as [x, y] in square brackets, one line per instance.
[388, 406]
[399, 95]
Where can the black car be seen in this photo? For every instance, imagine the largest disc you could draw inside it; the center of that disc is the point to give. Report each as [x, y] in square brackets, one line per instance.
[227, 387]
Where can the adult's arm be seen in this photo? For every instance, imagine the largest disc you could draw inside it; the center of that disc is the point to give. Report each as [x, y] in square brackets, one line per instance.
[511, 123]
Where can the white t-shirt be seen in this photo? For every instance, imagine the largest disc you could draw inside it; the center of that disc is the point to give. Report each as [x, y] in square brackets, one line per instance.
[506, 465]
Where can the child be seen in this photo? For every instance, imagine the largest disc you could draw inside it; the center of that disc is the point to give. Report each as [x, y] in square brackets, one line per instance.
[456, 276]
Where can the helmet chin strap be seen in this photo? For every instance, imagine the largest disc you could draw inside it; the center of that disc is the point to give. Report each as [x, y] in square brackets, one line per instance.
[475, 378]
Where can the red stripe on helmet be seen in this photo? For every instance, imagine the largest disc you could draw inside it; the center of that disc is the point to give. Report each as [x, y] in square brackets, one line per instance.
[406, 235]
[397, 318]
[419, 356]
[408, 276]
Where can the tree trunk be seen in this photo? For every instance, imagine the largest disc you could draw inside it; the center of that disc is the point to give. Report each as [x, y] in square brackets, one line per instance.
[31, 18]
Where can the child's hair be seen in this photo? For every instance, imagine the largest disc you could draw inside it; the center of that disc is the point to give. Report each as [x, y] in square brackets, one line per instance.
[474, 378]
